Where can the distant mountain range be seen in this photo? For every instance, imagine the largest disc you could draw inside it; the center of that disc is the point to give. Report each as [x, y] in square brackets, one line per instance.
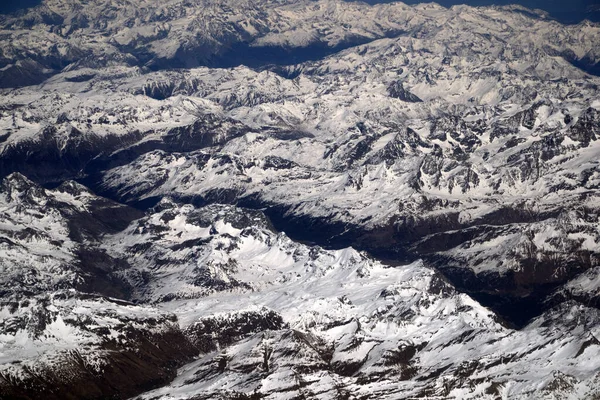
[568, 12]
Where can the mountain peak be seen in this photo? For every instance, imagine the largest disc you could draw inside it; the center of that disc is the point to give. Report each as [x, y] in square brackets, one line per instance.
[17, 181]
[18, 188]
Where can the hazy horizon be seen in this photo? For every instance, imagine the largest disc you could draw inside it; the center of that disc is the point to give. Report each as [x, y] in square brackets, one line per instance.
[566, 11]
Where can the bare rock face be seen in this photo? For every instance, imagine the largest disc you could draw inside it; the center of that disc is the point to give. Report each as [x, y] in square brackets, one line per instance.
[72, 345]
[217, 331]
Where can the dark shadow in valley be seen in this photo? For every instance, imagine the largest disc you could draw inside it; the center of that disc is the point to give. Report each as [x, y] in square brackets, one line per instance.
[514, 297]
[517, 298]
[10, 6]
[263, 57]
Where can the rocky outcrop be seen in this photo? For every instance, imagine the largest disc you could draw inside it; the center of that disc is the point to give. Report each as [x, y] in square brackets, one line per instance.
[75, 345]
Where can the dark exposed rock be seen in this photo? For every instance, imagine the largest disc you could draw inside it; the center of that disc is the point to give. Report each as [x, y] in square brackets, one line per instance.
[404, 143]
[209, 130]
[587, 127]
[278, 163]
[46, 160]
[397, 91]
[214, 332]
[152, 362]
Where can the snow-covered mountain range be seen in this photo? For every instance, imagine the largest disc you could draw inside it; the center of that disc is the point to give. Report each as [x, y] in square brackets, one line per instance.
[270, 317]
[309, 199]
[73, 34]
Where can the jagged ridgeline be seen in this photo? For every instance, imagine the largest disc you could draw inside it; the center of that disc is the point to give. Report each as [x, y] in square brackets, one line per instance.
[298, 199]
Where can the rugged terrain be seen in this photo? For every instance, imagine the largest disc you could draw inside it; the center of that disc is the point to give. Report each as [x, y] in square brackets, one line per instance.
[311, 199]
